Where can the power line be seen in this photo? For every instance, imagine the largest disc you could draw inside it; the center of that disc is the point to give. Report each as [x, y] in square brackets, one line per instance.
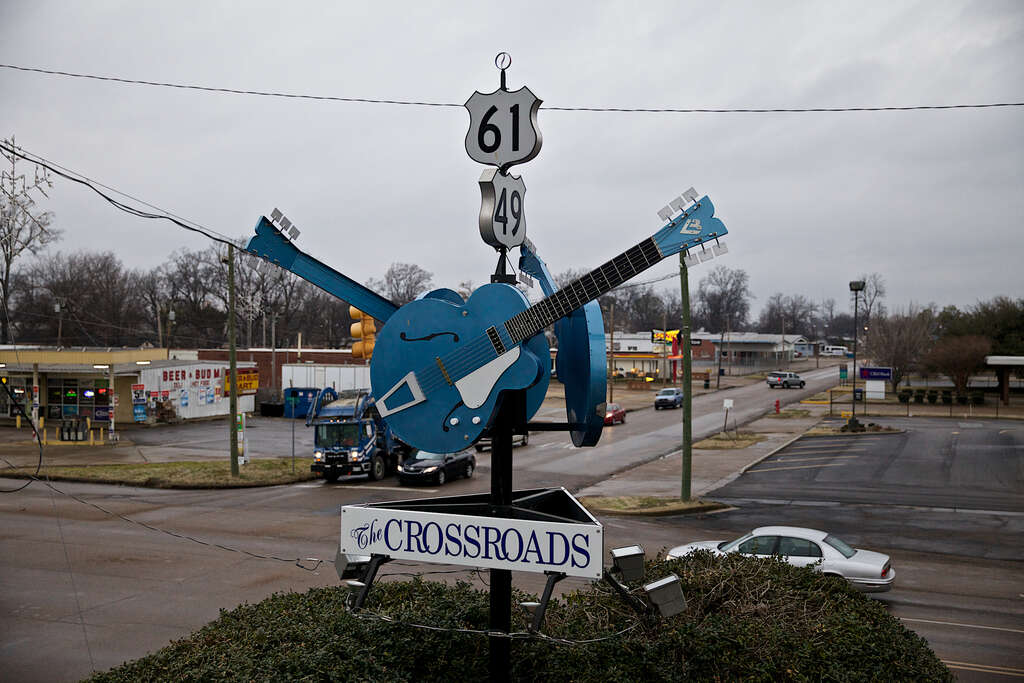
[422, 103]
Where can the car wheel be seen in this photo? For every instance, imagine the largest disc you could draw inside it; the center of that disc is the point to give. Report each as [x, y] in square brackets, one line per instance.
[801, 385]
[623, 420]
[785, 385]
[526, 439]
[377, 468]
[468, 472]
[440, 478]
[479, 449]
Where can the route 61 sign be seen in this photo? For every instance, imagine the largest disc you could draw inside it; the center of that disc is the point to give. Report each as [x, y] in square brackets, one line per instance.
[502, 221]
[503, 127]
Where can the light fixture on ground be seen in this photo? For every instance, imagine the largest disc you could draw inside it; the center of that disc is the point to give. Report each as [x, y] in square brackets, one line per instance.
[350, 566]
[629, 561]
[667, 595]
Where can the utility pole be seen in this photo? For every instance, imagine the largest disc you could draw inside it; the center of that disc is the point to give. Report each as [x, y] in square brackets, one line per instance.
[60, 322]
[273, 352]
[611, 354]
[721, 347]
[684, 332]
[232, 358]
[664, 346]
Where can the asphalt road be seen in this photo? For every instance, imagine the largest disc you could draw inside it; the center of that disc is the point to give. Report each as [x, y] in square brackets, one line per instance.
[97, 589]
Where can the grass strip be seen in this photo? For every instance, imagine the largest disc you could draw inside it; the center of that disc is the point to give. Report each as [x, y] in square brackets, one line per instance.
[728, 441]
[647, 505]
[179, 475]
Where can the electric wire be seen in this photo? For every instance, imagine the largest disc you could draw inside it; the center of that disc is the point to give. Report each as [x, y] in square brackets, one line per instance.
[76, 177]
[424, 103]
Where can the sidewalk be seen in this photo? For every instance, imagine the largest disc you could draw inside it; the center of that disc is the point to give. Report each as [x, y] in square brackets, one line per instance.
[711, 469]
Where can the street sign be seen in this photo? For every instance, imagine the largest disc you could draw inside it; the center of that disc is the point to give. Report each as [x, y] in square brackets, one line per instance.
[502, 218]
[876, 373]
[727, 403]
[503, 127]
[842, 372]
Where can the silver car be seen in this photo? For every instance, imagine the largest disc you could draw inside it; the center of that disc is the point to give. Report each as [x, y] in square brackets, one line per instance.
[866, 570]
[784, 380]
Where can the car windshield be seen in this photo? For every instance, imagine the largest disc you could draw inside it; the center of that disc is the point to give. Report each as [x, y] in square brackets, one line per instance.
[426, 455]
[337, 435]
[666, 392]
[840, 545]
[731, 545]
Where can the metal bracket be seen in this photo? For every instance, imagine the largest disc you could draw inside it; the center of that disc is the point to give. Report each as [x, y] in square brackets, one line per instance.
[367, 583]
[636, 603]
[538, 615]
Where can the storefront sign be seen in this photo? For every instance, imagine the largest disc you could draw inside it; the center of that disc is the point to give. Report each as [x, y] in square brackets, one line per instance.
[139, 412]
[138, 394]
[498, 543]
[876, 373]
[248, 381]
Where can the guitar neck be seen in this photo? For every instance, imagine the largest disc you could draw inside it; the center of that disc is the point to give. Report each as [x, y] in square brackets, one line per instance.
[574, 295]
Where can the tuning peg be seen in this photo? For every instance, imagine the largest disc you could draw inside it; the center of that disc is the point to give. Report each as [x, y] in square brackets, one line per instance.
[285, 224]
[276, 215]
[677, 204]
[690, 194]
[666, 213]
[293, 233]
[720, 248]
[706, 255]
[691, 260]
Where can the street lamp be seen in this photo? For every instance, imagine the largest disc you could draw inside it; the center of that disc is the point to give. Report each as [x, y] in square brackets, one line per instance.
[856, 286]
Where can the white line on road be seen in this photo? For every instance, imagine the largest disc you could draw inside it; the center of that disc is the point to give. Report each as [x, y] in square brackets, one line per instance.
[956, 623]
[824, 457]
[796, 467]
[984, 668]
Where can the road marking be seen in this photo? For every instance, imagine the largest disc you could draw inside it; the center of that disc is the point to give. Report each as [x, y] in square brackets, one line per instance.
[984, 668]
[548, 444]
[824, 457]
[797, 467]
[956, 623]
[818, 449]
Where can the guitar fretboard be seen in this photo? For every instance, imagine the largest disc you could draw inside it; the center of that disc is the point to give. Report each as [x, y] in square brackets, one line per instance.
[574, 295]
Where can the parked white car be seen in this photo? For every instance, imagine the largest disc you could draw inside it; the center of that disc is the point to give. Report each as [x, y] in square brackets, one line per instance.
[866, 570]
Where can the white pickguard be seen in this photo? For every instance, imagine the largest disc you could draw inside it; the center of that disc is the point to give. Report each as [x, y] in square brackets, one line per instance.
[475, 387]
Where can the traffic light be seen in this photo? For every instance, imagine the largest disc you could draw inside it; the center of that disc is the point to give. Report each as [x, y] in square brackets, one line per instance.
[365, 330]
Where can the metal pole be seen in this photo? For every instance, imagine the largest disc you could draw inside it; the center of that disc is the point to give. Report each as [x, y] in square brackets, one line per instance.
[501, 499]
[611, 354]
[684, 285]
[721, 345]
[664, 346]
[853, 394]
[293, 440]
[232, 358]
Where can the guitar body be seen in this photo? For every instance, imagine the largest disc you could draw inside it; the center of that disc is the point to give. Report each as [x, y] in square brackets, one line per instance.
[436, 376]
[581, 362]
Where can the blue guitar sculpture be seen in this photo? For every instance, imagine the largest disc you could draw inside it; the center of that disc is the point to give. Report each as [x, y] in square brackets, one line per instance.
[581, 363]
[439, 368]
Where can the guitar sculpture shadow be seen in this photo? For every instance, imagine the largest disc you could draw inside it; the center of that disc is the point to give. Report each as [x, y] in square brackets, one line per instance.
[440, 395]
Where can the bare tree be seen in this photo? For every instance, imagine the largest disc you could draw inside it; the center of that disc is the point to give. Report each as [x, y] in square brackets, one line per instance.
[871, 299]
[723, 299]
[901, 340]
[791, 314]
[959, 357]
[403, 282]
[23, 227]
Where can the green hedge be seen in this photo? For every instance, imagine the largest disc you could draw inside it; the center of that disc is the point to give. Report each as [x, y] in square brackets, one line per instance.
[746, 619]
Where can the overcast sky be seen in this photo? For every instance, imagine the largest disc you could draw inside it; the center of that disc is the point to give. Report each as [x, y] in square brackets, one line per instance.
[932, 200]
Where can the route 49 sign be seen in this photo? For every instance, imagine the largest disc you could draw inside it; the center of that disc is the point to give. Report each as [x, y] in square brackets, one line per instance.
[503, 127]
[502, 217]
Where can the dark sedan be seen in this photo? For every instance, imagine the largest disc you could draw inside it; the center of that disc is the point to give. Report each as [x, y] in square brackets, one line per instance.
[436, 468]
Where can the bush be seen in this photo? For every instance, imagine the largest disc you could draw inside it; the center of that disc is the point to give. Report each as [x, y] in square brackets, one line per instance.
[933, 396]
[947, 397]
[904, 396]
[961, 399]
[745, 619]
[978, 398]
[919, 396]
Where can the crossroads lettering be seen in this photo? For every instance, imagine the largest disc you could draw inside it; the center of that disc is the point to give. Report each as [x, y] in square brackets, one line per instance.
[549, 548]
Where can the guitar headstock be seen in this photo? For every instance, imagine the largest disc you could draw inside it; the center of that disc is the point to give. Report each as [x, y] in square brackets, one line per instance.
[272, 244]
[695, 226]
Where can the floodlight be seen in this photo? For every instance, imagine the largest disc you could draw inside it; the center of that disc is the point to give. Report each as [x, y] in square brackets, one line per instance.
[276, 215]
[667, 595]
[629, 561]
[530, 607]
[706, 255]
[525, 279]
[665, 213]
[285, 224]
[350, 566]
[678, 203]
[691, 260]
[721, 248]
[293, 233]
[857, 286]
[691, 194]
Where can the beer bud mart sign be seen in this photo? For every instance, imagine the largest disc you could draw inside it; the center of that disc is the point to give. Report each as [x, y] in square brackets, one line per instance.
[248, 381]
[495, 543]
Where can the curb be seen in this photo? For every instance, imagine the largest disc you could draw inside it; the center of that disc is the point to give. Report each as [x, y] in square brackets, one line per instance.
[708, 506]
